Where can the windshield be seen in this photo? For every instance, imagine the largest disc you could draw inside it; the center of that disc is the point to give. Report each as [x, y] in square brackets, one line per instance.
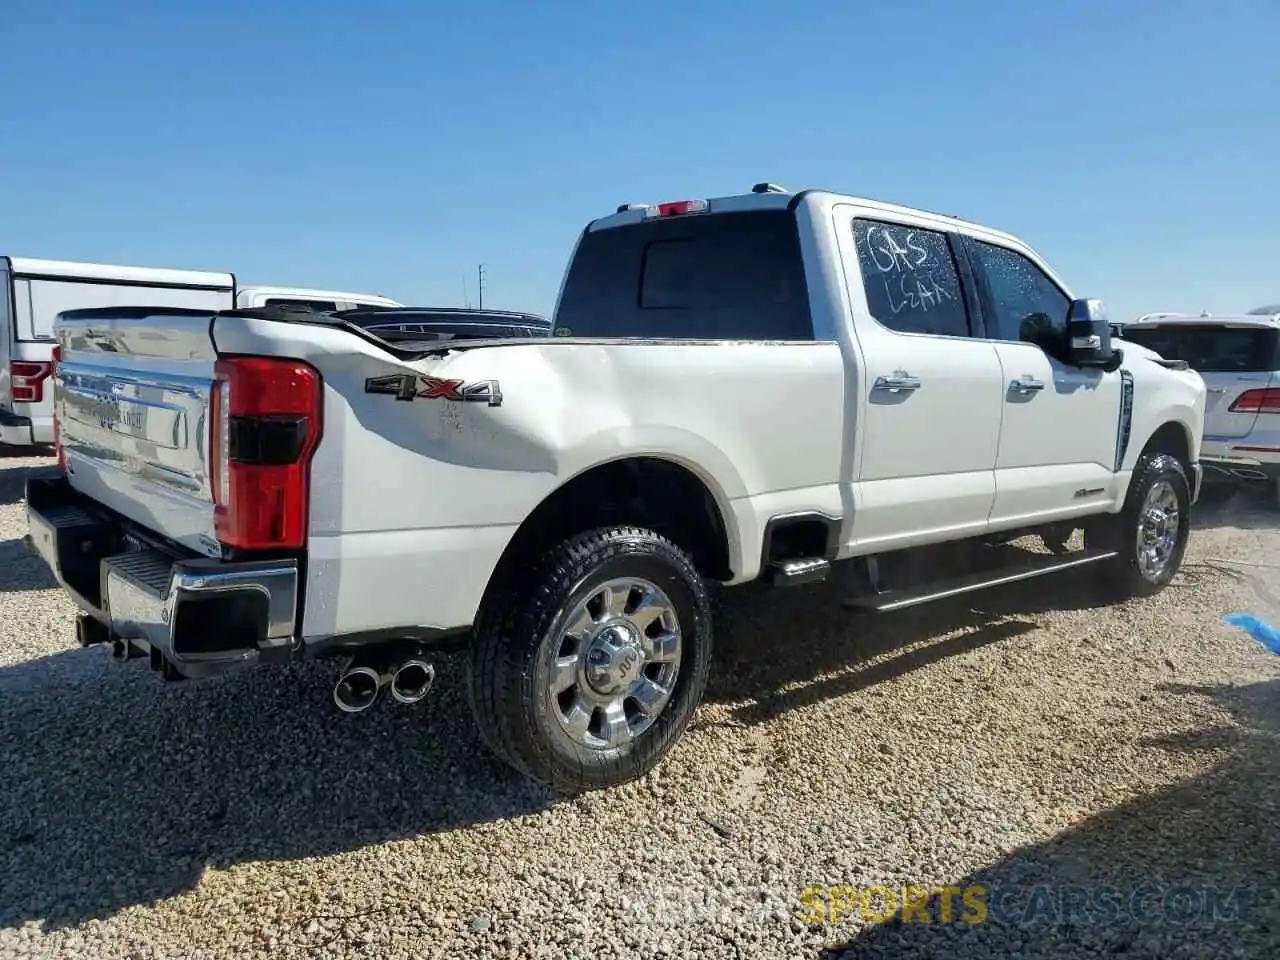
[722, 276]
[1209, 348]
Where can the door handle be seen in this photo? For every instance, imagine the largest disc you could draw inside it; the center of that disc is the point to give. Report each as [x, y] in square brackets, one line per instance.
[898, 382]
[1027, 385]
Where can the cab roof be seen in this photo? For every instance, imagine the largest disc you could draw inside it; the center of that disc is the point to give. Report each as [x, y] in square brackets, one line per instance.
[772, 197]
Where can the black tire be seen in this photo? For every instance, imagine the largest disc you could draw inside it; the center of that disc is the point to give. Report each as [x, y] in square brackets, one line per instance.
[519, 634]
[1125, 576]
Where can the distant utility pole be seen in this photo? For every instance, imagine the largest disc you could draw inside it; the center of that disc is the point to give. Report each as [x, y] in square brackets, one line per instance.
[480, 277]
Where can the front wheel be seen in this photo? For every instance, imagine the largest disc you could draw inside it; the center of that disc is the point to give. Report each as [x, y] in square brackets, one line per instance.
[586, 676]
[1150, 534]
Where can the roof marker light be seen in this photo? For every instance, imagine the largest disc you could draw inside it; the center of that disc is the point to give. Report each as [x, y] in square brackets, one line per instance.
[678, 208]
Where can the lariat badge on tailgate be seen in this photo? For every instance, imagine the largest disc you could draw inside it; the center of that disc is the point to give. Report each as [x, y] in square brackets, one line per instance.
[408, 386]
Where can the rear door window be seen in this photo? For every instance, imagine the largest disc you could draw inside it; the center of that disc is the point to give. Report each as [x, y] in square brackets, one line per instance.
[911, 279]
[1211, 348]
[718, 276]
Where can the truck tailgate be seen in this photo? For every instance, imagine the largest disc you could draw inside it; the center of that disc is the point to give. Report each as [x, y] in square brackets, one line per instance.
[132, 412]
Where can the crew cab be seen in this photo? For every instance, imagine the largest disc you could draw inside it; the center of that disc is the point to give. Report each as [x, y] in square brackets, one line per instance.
[789, 386]
[1239, 358]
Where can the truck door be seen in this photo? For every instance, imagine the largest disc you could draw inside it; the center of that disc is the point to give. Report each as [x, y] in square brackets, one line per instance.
[925, 407]
[1057, 454]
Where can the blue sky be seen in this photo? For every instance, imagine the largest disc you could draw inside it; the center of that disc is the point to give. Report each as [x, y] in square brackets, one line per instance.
[392, 146]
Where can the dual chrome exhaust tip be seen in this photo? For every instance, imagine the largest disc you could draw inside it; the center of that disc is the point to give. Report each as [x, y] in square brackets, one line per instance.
[362, 681]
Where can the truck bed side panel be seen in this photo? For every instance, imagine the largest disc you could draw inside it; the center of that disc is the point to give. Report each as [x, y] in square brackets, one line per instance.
[414, 501]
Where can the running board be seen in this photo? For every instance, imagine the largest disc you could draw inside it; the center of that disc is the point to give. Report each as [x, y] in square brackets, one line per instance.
[898, 599]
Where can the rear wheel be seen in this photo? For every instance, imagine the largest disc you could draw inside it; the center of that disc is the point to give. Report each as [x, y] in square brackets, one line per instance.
[1150, 534]
[588, 675]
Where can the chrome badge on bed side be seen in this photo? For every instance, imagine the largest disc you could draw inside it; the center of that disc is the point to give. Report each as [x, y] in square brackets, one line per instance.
[408, 386]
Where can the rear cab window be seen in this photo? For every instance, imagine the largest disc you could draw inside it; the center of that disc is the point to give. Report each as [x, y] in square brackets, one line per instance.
[1212, 348]
[716, 276]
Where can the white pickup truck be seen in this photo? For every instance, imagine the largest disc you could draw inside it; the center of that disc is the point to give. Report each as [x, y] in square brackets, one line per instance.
[772, 385]
[33, 292]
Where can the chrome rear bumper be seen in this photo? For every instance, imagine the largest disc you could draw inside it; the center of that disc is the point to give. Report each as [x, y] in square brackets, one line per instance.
[194, 616]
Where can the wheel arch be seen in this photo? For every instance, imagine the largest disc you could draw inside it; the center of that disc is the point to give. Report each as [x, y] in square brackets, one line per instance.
[1173, 437]
[660, 491]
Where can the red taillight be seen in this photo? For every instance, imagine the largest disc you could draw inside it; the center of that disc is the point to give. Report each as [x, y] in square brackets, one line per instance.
[26, 380]
[1266, 400]
[266, 420]
[678, 208]
[57, 441]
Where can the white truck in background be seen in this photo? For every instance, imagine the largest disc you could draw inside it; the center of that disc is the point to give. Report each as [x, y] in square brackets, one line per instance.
[772, 385]
[33, 292]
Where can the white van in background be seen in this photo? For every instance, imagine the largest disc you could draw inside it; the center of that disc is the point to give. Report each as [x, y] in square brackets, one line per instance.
[33, 292]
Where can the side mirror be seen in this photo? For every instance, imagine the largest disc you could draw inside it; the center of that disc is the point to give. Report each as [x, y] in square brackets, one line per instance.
[1089, 336]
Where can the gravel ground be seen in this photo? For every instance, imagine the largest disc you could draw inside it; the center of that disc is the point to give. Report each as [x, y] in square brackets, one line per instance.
[1025, 741]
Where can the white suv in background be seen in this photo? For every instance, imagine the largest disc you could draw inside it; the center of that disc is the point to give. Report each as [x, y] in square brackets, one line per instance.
[1239, 358]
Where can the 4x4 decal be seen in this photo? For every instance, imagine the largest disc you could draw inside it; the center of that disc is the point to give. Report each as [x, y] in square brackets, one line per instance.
[408, 386]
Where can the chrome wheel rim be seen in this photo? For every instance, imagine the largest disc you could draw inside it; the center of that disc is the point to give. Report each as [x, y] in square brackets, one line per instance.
[613, 663]
[1157, 529]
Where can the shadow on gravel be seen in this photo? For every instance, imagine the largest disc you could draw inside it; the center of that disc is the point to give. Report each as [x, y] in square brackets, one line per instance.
[1244, 508]
[1191, 870]
[768, 640]
[13, 476]
[21, 569]
[118, 789]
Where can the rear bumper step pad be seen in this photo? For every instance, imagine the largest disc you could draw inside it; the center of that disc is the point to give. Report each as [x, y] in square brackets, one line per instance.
[203, 616]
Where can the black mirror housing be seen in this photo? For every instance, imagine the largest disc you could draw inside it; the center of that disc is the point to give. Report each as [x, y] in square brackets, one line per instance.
[1089, 336]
